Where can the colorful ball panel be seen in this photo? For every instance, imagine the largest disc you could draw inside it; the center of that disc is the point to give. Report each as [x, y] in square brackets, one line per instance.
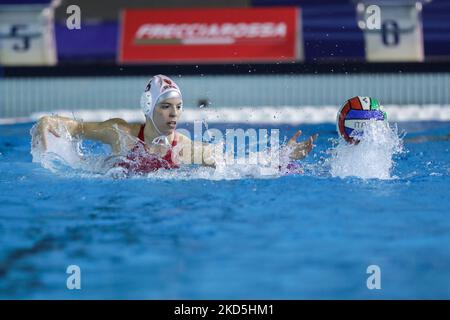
[355, 114]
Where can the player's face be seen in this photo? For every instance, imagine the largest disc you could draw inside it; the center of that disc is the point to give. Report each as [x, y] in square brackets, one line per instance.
[167, 114]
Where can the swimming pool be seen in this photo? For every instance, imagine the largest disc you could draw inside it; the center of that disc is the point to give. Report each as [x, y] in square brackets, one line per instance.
[291, 237]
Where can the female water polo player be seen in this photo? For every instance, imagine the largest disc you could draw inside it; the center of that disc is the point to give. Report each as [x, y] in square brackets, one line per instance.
[152, 145]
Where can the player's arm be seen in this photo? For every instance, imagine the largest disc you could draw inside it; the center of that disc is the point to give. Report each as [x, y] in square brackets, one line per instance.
[106, 131]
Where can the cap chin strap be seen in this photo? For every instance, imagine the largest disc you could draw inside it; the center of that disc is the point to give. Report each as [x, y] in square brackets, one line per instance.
[161, 138]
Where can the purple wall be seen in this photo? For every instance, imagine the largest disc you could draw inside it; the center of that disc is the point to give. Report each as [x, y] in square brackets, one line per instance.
[94, 41]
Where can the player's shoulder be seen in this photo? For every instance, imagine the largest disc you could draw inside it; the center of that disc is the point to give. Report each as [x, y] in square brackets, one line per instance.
[182, 138]
[120, 123]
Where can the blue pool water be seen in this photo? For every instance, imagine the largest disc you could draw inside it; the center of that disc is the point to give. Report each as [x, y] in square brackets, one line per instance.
[292, 237]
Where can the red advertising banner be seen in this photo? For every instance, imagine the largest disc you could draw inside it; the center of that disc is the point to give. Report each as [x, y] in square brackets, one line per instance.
[209, 35]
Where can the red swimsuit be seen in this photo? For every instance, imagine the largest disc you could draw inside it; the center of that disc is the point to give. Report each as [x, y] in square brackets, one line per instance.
[139, 160]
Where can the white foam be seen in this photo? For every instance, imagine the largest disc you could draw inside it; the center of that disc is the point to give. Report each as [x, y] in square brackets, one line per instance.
[372, 157]
[61, 151]
[263, 114]
[15, 120]
[64, 155]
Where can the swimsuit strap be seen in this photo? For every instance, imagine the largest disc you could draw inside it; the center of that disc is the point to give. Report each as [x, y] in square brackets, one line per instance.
[141, 133]
[175, 139]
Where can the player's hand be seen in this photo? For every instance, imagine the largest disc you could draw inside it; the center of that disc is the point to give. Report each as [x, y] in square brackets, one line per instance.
[44, 126]
[299, 150]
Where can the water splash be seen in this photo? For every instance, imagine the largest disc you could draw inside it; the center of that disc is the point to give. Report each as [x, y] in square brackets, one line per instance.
[68, 156]
[61, 152]
[372, 157]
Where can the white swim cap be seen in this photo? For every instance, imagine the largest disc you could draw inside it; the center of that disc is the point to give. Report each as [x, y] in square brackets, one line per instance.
[159, 86]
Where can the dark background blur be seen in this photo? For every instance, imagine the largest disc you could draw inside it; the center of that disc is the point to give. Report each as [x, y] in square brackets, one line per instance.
[330, 30]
